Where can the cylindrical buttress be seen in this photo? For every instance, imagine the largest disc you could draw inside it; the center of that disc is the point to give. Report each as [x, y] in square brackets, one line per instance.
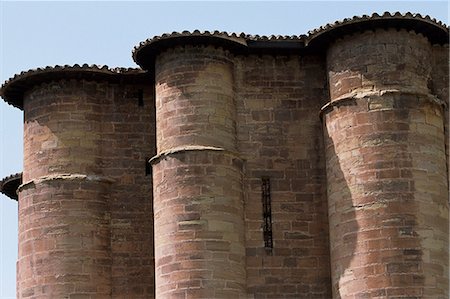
[385, 153]
[198, 203]
[64, 229]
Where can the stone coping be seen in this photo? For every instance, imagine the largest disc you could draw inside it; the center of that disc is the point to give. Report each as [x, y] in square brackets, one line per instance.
[10, 184]
[191, 148]
[58, 177]
[351, 98]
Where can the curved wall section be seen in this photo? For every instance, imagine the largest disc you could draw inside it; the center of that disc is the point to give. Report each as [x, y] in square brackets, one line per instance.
[379, 60]
[197, 177]
[64, 219]
[62, 128]
[64, 239]
[385, 153]
[199, 236]
[195, 98]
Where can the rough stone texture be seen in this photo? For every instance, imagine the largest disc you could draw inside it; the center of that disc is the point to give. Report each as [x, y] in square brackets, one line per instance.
[64, 240]
[88, 207]
[199, 225]
[349, 124]
[199, 233]
[64, 218]
[128, 141]
[279, 136]
[194, 102]
[439, 87]
[387, 179]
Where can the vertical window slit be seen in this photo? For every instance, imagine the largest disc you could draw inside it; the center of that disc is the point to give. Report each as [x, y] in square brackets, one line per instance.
[267, 214]
[148, 166]
[140, 94]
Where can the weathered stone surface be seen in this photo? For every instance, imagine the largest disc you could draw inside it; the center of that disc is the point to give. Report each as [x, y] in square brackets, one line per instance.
[85, 195]
[387, 179]
[198, 199]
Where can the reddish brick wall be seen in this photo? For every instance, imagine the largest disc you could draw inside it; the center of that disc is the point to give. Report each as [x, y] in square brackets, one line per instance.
[384, 60]
[199, 238]
[95, 218]
[387, 188]
[199, 227]
[279, 136]
[128, 141]
[64, 240]
[439, 87]
[195, 104]
[64, 231]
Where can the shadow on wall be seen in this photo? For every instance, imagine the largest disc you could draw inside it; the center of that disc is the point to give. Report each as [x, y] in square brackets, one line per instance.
[342, 218]
[387, 209]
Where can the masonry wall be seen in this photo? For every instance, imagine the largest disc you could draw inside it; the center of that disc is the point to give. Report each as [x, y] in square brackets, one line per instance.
[439, 87]
[387, 179]
[128, 142]
[199, 224]
[85, 224]
[64, 215]
[279, 136]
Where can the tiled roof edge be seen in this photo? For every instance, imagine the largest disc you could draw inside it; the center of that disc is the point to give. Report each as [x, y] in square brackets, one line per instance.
[237, 37]
[12, 89]
[243, 39]
[376, 16]
[143, 53]
[312, 34]
[9, 185]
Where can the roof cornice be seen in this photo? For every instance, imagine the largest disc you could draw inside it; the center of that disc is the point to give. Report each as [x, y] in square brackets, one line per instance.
[144, 53]
[9, 185]
[12, 90]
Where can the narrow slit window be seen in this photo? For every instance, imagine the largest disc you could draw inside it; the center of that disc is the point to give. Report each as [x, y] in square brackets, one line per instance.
[267, 213]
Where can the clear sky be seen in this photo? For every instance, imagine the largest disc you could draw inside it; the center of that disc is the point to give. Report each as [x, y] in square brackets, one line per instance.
[36, 34]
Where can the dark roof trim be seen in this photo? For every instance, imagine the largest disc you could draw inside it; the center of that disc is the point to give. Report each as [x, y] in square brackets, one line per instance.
[144, 53]
[318, 39]
[434, 30]
[9, 185]
[13, 89]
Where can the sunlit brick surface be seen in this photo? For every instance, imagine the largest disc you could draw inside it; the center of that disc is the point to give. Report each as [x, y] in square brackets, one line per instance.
[386, 171]
[86, 198]
[198, 200]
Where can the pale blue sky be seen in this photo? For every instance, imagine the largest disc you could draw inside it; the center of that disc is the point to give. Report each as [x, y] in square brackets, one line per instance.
[36, 34]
